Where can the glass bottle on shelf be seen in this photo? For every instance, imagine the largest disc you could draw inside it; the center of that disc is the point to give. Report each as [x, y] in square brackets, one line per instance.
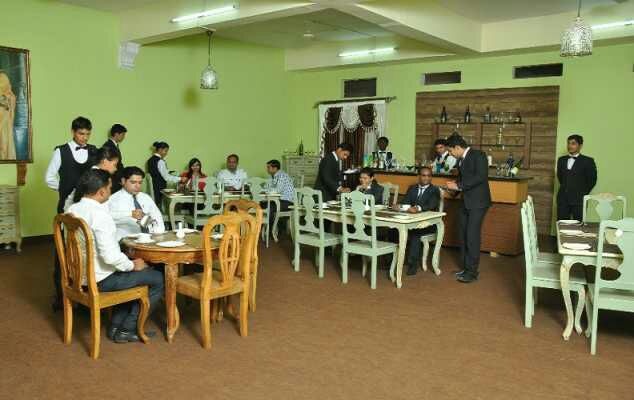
[487, 116]
[467, 116]
[516, 168]
[300, 149]
[443, 115]
[510, 162]
[518, 117]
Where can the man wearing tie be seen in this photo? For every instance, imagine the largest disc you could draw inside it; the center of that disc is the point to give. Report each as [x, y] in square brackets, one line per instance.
[473, 182]
[69, 161]
[382, 153]
[577, 175]
[117, 135]
[129, 205]
[329, 176]
[444, 162]
[421, 197]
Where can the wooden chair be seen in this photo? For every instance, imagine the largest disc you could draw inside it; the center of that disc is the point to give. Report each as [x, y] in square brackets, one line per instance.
[431, 238]
[310, 231]
[553, 258]
[617, 294]
[76, 253]
[540, 274]
[358, 241]
[251, 207]
[390, 190]
[234, 259]
[603, 207]
[257, 186]
[213, 205]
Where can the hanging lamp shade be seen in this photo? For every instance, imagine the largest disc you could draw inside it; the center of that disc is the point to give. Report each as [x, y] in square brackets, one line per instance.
[209, 78]
[576, 41]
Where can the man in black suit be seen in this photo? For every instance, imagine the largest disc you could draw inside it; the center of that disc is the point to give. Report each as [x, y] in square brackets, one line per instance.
[329, 176]
[369, 186]
[421, 197]
[473, 182]
[577, 175]
[382, 153]
[117, 135]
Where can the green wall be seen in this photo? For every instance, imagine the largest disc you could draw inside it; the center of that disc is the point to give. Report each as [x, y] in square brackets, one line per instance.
[74, 72]
[596, 100]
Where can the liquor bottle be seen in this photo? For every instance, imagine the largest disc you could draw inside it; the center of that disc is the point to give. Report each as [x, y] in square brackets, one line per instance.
[510, 162]
[487, 116]
[443, 115]
[300, 150]
[518, 117]
[467, 116]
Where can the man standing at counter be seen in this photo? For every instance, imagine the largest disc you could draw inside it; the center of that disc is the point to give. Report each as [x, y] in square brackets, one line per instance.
[444, 162]
[382, 154]
[473, 182]
[577, 175]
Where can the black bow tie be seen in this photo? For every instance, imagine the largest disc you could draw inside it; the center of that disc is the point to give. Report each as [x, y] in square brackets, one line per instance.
[573, 157]
[81, 148]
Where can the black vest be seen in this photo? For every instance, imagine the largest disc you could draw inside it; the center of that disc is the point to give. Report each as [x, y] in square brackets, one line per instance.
[70, 171]
[158, 183]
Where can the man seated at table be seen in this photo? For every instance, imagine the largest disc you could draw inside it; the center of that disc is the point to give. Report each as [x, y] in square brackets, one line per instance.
[129, 205]
[113, 269]
[369, 186]
[232, 177]
[421, 197]
[282, 184]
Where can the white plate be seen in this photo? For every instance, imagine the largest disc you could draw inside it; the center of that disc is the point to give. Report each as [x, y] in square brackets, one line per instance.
[187, 230]
[324, 205]
[380, 206]
[169, 190]
[568, 221]
[401, 216]
[171, 243]
[216, 236]
[571, 231]
[577, 246]
[332, 202]
[144, 241]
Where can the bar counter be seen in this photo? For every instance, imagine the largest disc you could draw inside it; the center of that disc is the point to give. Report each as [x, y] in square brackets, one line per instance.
[501, 230]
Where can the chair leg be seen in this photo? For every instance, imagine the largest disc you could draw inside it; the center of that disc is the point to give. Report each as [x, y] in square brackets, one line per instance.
[364, 265]
[589, 315]
[320, 261]
[144, 311]
[244, 313]
[268, 227]
[594, 333]
[296, 257]
[425, 254]
[393, 264]
[373, 273]
[581, 299]
[205, 325]
[95, 326]
[252, 289]
[344, 266]
[68, 319]
[528, 307]
[214, 310]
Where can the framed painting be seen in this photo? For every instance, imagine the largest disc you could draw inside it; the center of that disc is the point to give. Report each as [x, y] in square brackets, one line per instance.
[15, 106]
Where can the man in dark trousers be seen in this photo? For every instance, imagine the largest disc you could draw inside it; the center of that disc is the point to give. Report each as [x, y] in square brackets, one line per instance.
[68, 163]
[116, 136]
[421, 197]
[473, 183]
[577, 175]
[329, 176]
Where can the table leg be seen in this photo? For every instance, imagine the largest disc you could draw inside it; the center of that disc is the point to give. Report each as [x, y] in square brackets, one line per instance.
[564, 276]
[440, 234]
[173, 319]
[402, 243]
[171, 211]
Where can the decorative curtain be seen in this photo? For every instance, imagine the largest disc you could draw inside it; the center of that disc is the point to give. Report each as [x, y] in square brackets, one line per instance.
[358, 123]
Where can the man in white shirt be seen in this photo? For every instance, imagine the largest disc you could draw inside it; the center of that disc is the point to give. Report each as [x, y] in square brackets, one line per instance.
[444, 161]
[233, 178]
[129, 205]
[113, 269]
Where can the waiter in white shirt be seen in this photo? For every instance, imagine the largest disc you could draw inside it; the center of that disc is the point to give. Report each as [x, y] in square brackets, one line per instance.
[69, 161]
[113, 269]
[444, 161]
[130, 205]
[382, 154]
[233, 178]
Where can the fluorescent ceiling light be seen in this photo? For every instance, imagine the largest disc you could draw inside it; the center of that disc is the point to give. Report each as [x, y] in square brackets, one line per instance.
[614, 24]
[367, 52]
[208, 13]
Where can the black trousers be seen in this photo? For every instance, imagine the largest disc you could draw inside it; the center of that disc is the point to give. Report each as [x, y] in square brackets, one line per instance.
[414, 244]
[125, 315]
[284, 206]
[470, 238]
[569, 211]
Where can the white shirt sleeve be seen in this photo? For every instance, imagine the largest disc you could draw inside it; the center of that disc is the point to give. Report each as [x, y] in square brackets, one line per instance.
[69, 201]
[52, 177]
[107, 245]
[162, 168]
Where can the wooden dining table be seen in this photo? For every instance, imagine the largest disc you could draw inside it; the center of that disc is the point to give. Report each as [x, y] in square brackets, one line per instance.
[586, 234]
[172, 257]
[402, 222]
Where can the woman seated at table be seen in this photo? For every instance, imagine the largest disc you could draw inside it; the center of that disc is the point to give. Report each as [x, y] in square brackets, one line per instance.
[157, 169]
[369, 186]
[194, 174]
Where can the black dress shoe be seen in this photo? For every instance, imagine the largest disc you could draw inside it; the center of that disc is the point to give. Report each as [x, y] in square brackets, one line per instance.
[125, 336]
[111, 332]
[411, 270]
[458, 273]
[466, 278]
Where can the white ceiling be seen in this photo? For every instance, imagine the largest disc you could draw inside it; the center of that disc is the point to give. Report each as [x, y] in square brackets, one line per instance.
[502, 10]
[111, 5]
